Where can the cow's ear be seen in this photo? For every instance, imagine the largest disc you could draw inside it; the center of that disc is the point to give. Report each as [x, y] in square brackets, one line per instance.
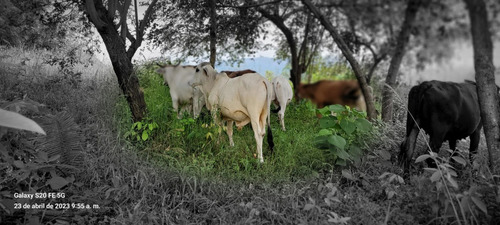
[205, 71]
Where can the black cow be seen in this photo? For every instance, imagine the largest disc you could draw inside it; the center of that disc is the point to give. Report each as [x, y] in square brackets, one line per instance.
[446, 111]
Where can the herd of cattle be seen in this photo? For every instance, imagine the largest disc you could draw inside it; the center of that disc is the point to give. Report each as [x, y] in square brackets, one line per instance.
[446, 111]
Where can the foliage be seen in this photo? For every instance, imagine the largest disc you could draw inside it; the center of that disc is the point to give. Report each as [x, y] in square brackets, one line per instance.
[142, 130]
[343, 133]
[463, 206]
[184, 30]
[34, 163]
[328, 69]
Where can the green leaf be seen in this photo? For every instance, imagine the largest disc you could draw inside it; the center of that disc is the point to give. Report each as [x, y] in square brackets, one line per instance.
[343, 154]
[324, 132]
[324, 111]
[341, 162]
[139, 125]
[327, 122]
[460, 160]
[57, 182]
[18, 121]
[145, 135]
[355, 151]
[436, 176]
[363, 125]
[337, 108]
[347, 126]
[337, 141]
[422, 158]
[480, 204]
[151, 126]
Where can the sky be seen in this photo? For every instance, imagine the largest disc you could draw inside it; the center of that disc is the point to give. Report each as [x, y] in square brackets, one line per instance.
[459, 67]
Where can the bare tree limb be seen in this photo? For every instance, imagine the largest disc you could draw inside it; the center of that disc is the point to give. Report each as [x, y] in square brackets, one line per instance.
[140, 30]
[248, 6]
[123, 19]
[92, 12]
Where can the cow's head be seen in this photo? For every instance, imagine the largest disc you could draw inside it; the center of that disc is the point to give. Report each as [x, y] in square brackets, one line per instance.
[165, 70]
[204, 76]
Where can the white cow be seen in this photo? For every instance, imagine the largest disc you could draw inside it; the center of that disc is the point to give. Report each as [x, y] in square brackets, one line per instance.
[282, 96]
[245, 99]
[189, 98]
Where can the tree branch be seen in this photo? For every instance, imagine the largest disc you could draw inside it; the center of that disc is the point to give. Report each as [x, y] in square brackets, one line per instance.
[140, 30]
[93, 15]
[248, 6]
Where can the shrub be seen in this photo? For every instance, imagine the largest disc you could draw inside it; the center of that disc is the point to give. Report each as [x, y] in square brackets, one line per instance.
[344, 133]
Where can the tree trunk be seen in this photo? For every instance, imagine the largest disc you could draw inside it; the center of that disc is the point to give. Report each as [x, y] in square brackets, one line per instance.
[397, 57]
[295, 73]
[485, 78]
[120, 60]
[213, 37]
[370, 106]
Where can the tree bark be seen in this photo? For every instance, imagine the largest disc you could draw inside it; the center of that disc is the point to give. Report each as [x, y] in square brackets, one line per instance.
[485, 79]
[212, 33]
[120, 60]
[295, 73]
[401, 42]
[370, 106]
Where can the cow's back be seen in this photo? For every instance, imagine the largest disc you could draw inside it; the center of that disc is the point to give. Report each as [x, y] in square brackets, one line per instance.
[240, 94]
[453, 104]
[344, 92]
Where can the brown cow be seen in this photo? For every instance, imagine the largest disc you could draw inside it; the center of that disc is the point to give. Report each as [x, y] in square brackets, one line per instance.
[328, 92]
[233, 74]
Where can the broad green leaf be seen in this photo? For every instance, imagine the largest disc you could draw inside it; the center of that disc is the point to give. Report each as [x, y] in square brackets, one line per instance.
[139, 125]
[347, 126]
[452, 181]
[363, 125]
[355, 151]
[324, 111]
[337, 141]
[57, 182]
[422, 158]
[145, 135]
[460, 160]
[327, 122]
[341, 162]
[18, 121]
[480, 204]
[324, 132]
[342, 154]
[151, 126]
[337, 108]
[436, 176]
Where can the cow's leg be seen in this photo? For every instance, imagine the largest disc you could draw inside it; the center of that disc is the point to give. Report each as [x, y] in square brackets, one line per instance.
[281, 115]
[175, 105]
[407, 148]
[258, 138]
[436, 140]
[474, 144]
[230, 132]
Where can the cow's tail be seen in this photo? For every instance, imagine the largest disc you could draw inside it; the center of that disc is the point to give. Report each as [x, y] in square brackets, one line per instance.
[270, 141]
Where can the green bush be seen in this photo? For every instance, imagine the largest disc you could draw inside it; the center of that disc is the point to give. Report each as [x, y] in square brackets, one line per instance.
[343, 132]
